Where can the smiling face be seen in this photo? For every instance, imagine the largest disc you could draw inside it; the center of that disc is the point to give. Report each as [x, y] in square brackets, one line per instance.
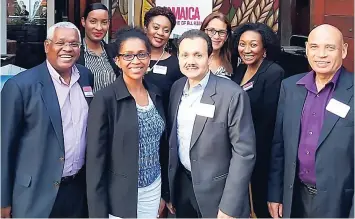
[60, 54]
[137, 67]
[251, 48]
[96, 24]
[193, 58]
[158, 31]
[218, 26]
[326, 50]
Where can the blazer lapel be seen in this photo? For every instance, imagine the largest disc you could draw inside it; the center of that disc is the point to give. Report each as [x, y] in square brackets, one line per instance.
[174, 108]
[153, 93]
[84, 82]
[200, 121]
[300, 98]
[342, 94]
[50, 100]
[263, 67]
[242, 69]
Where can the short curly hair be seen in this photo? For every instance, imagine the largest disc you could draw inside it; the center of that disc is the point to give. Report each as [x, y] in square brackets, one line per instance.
[157, 11]
[270, 40]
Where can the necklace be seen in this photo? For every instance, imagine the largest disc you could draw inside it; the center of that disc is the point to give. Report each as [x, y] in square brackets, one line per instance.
[151, 68]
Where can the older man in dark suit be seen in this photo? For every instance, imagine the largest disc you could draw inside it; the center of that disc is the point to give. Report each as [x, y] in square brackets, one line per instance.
[43, 132]
[312, 164]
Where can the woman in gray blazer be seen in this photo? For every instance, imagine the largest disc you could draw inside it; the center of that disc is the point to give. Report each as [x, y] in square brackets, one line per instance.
[126, 135]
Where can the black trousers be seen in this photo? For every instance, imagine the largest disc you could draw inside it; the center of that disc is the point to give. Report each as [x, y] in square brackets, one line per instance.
[303, 202]
[259, 192]
[71, 199]
[185, 202]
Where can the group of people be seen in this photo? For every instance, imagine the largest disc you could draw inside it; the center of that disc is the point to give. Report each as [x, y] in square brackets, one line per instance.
[127, 130]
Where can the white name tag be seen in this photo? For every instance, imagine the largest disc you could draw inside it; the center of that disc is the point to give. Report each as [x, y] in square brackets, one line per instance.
[338, 108]
[248, 86]
[112, 216]
[206, 110]
[159, 69]
[88, 91]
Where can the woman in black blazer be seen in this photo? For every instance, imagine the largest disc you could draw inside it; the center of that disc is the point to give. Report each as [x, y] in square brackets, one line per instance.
[258, 47]
[126, 149]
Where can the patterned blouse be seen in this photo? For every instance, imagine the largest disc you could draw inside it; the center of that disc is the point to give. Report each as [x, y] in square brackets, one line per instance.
[99, 65]
[151, 127]
[222, 72]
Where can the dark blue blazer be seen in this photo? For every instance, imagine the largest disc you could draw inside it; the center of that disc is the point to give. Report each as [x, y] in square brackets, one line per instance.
[32, 143]
[334, 155]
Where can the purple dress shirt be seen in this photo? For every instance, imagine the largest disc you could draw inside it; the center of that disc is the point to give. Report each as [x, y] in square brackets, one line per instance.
[311, 124]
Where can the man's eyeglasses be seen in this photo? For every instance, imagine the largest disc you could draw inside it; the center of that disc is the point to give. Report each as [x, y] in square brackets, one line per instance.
[212, 32]
[130, 57]
[61, 44]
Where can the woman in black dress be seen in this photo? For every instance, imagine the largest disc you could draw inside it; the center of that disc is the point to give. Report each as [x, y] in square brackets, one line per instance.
[258, 47]
[164, 67]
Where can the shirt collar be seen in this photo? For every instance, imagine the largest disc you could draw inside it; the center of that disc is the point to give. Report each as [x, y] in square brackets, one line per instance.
[56, 76]
[309, 80]
[86, 49]
[201, 85]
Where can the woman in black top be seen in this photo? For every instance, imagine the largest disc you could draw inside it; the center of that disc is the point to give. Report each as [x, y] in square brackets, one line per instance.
[163, 68]
[95, 54]
[126, 153]
[258, 48]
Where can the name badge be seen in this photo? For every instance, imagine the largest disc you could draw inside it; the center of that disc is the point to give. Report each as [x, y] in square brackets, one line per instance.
[248, 86]
[338, 108]
[206, 110]
[112, 216]
[88, 91]
[159, 69]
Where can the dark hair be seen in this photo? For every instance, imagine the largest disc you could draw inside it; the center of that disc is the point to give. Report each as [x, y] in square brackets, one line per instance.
[270, 40]
[227, 46]
[163, 11]
[129, 32]
[192, 34]
[93, 7]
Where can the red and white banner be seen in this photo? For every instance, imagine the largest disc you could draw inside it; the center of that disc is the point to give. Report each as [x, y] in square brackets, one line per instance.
[189, 13]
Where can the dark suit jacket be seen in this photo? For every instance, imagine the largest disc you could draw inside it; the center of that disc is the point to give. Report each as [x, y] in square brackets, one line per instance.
[111, 51]
[32, 141]
[334, 155]
[222, 152]
[263, 97]
[112, 150]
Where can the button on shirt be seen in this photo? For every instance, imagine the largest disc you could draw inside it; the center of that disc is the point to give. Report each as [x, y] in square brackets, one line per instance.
[186, 118]
[74, 112]
[311, 124]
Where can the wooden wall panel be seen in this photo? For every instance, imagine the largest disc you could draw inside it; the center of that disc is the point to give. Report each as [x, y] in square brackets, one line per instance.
[349, 60]
[83, 4]
[71, 13]
[339, 7]
[344, 23]
[317, 12]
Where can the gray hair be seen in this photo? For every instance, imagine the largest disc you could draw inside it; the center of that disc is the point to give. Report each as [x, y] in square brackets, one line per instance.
[50, 31]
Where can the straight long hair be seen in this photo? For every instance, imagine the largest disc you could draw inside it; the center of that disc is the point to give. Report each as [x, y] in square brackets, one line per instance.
[225, 52]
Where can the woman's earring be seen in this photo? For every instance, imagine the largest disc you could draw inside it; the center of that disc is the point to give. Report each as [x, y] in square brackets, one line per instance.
[264, 55]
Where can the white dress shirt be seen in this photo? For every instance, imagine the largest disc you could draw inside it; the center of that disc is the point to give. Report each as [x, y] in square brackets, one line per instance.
[74, 112]
[186, 118]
